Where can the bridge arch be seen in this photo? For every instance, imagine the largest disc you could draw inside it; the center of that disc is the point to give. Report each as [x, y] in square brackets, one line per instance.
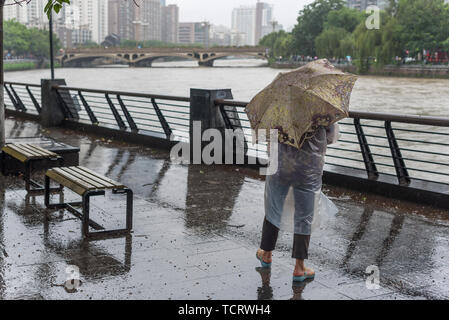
[147, 59]
[70, 58]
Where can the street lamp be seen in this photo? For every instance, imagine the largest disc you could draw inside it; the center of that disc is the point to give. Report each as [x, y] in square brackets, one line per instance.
[52, 64]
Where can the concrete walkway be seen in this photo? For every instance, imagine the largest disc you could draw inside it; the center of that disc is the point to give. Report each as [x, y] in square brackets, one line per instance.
[196, 231]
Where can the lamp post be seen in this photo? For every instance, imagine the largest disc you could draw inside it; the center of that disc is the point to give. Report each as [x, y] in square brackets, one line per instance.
[52, 63]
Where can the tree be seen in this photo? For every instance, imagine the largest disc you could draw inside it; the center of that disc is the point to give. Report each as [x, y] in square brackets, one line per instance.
[424, 24]
[281, 43]
[23, 41]
[55, 5]
[334, 42]
[344, 18]
[311, 23]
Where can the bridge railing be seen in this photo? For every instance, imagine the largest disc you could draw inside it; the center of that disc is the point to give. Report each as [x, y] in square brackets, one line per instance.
[22, 97]
[408, 148]
[146, 114]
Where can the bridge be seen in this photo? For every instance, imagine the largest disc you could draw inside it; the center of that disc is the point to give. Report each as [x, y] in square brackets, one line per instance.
[145, 57]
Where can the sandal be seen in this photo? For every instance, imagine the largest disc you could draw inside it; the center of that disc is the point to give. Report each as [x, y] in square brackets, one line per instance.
[304, 277]
[263, 263]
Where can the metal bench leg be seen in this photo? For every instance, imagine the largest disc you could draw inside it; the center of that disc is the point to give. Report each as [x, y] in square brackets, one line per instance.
[47, 192]
[27, 176]
[118, 232]
[129, 209]
[85, 218]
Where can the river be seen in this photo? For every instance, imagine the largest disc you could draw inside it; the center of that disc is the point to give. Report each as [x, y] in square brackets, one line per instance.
[246, 77]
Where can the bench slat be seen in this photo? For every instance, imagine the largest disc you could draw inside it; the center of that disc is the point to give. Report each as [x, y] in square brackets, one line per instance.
[42, 151]
[112, 182]
[83, 184]
[66, 182]
[81, 179]
[16, 148]
[15, 153]
[31, 150]
[24, 152]
[73, 172]
[91, 177]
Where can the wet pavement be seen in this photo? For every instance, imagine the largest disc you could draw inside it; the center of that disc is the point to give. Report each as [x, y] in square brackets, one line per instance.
[196, 231]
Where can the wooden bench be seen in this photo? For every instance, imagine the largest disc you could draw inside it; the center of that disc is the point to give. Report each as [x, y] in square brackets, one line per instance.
[87, 184]
[30, 155]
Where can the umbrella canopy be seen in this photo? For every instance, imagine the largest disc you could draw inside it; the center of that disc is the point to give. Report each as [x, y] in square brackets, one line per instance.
[298, 102]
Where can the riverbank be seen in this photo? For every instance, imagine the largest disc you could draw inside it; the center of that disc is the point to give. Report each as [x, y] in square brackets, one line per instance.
[409, 71]
[24, 66]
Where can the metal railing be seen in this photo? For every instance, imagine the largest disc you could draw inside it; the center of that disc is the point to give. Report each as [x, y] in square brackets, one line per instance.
[23, 97]
[407, 147]
[147, 114]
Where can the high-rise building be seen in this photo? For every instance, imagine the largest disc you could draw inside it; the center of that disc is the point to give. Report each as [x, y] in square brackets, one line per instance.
[363, 4]
[264, 18]
[244, 22]
[170, 23]
[30, 14]
[253, 21]
[194, 33]
[89, 15]
[220, 36]
[139, 22]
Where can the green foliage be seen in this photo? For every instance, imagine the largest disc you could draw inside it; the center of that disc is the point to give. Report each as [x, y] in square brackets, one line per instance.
[55, 5]
[281, 44]
[424, 24]
[334, 42]
[344, 18]
[21, 40]
[413, 25]
[311, 23]
[19, 66]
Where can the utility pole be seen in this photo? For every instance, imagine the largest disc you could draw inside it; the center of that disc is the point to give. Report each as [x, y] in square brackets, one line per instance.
[52, 60]
[2, 102]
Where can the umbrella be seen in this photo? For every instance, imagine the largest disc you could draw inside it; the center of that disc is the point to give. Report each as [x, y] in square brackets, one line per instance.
[298, 102]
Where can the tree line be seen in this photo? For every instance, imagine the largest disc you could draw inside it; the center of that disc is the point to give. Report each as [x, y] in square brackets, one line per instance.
[327, 28]
[27, 42]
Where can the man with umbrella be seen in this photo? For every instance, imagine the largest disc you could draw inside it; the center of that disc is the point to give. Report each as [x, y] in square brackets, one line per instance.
[304, 106]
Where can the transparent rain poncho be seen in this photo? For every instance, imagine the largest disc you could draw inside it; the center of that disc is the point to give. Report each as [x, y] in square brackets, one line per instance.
[293, 195]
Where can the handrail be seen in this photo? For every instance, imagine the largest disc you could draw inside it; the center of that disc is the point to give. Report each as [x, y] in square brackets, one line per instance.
[124, 93]
[22, 84]
[401, 118]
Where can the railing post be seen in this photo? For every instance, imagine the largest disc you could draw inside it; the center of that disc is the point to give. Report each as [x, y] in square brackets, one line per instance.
[117, 116]
[399, 163]
[52, 112]
[36, 104]
[204, 111]
[128, 117]
[11, 97]
[370, 165]
[20, 104]
[91, 115]
[162, 120]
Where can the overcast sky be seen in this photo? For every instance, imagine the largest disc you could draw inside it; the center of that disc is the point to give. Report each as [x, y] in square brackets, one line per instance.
[219, 12]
